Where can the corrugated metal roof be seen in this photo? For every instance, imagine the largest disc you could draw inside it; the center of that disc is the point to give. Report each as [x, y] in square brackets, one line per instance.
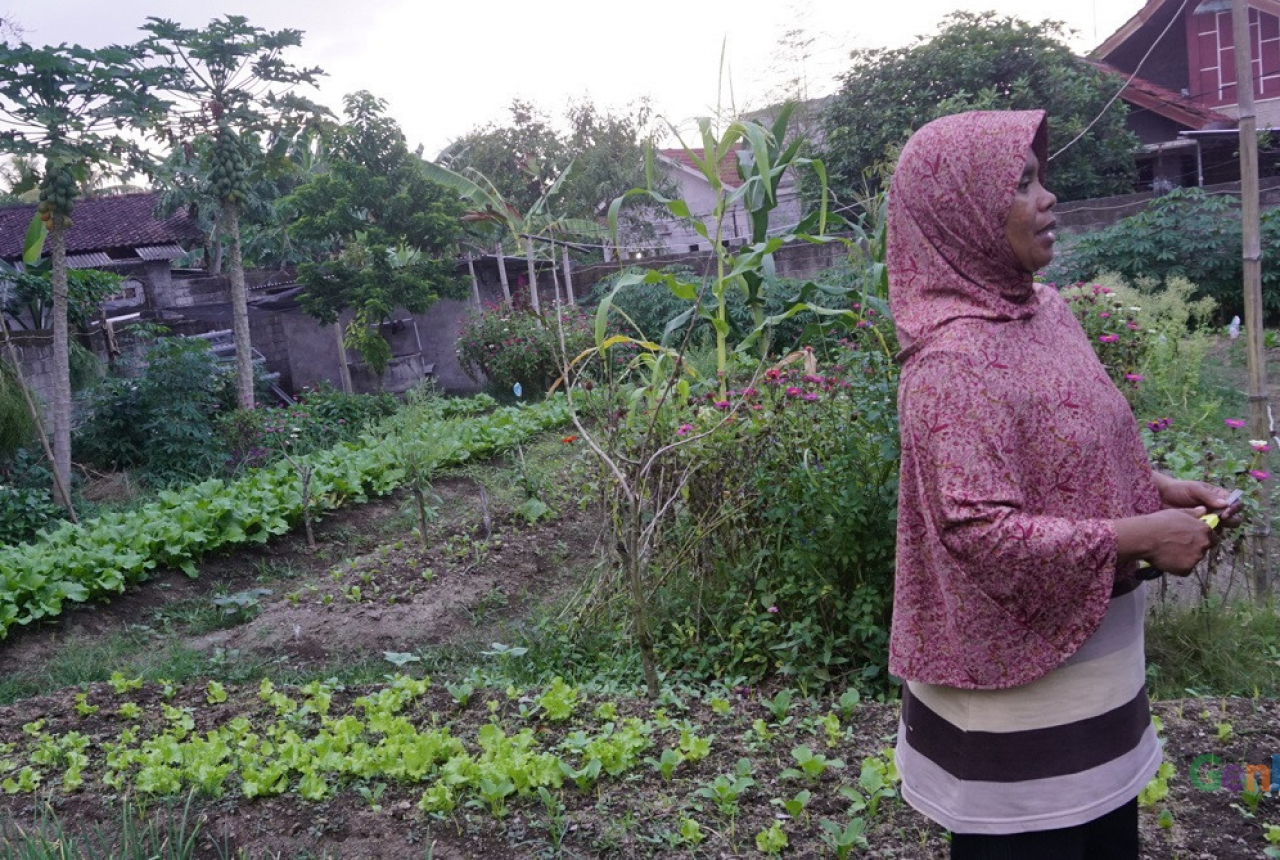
[159, 252]
[92, 260]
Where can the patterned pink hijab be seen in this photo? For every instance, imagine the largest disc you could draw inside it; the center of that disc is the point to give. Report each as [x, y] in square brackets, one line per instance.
[1017, 450]
[947, 251]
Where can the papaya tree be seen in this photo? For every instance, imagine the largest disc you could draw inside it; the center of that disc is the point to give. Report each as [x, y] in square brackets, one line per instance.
[231, 83]
[71, 108]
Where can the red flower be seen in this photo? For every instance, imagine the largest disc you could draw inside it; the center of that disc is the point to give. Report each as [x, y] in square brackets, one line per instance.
[569, 440]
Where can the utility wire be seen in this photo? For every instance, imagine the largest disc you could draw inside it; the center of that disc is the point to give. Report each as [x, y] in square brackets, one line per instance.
[1176, 16]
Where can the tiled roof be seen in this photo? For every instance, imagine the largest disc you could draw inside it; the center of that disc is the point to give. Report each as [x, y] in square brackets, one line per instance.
[728, 164]
[1167, 103]
[106, 224]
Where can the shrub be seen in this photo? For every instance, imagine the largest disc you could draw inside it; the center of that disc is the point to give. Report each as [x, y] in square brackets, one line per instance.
[161, 421]
[649, 307]
[504, 346]
[17, 427]
[319, 419]
[26, 501]
[781, 561]
[1185, 234]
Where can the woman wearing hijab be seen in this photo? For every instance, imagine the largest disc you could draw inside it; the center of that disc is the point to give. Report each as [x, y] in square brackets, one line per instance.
[1026, 503]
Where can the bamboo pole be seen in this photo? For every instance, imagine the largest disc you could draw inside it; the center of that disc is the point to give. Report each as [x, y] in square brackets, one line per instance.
[1259, 410]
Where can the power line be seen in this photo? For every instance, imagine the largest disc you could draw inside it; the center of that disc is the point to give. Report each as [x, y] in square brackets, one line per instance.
[1176, 16]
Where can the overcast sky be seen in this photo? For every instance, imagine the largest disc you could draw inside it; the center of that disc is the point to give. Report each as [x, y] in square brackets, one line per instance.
[446, 68]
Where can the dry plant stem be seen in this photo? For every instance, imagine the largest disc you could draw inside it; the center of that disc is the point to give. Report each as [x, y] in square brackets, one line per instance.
[420, 501]
[485, 519]
[304, 475]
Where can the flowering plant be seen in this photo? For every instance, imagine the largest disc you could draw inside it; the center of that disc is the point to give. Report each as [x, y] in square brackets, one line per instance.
[504, 346]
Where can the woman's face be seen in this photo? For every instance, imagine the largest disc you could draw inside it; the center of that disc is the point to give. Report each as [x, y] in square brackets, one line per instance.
[1030, 223]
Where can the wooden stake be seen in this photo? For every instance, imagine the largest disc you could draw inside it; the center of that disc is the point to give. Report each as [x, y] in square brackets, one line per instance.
[568, 274]
[475, 283]
[1259, 411]
[502, 273]
[344, 369]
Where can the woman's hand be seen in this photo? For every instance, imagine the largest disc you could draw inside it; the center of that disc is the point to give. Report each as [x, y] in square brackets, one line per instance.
[1173, 540]
[1175, 493]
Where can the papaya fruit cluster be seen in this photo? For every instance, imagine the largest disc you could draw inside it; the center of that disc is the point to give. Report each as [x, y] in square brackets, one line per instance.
[57, 196]
[228, 179]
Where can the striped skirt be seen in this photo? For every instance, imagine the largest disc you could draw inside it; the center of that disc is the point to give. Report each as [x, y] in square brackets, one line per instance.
[1058, 752]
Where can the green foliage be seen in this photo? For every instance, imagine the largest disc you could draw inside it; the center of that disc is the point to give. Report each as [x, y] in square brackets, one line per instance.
[103, 556]
[524, 157]
[1183, 659]
[801, 488]
[978, 62]
[29, 296]
[17, 426]
[1184, 234]
[26, 504]
[162, 421]
[319, 419]
[646, 305]
[1151, 339]
[505, 346]
[382, 234]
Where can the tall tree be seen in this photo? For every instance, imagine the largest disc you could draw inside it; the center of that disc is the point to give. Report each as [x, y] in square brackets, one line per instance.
[978, 61]
[67, 105]
[232, 82]
[384, 232]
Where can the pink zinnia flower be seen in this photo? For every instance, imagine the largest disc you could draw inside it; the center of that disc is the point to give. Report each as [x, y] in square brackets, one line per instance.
[1104, 314]
[793, 392]
[683, 429]
[1259, 445]
[811, 397]
[722, 404]
[1108, 338]
[1234, 423]
[1259, 474]
[1135, 378]
[773, 610]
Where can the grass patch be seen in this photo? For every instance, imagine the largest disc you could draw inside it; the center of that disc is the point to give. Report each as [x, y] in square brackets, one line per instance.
[1214, 649]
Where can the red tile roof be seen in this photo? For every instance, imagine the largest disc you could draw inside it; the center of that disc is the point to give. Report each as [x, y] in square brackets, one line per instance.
[105, 224]
[728, 164]
[1167, 103]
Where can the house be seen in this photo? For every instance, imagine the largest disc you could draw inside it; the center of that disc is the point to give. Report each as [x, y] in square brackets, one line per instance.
[120, 234]
[1182, 99]
[673, 235]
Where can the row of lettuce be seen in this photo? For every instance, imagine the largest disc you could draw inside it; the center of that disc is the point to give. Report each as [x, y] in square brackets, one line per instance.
[95, 559]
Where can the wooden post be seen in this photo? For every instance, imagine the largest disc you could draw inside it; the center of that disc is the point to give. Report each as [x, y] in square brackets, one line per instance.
[502, 273]
[568, 274]
[533, 276]
[344, 370]
[1259, 410]
[475, 284]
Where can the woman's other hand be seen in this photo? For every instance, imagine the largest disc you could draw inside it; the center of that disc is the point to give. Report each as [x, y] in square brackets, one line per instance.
[1173, 540]
[1175, 493]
